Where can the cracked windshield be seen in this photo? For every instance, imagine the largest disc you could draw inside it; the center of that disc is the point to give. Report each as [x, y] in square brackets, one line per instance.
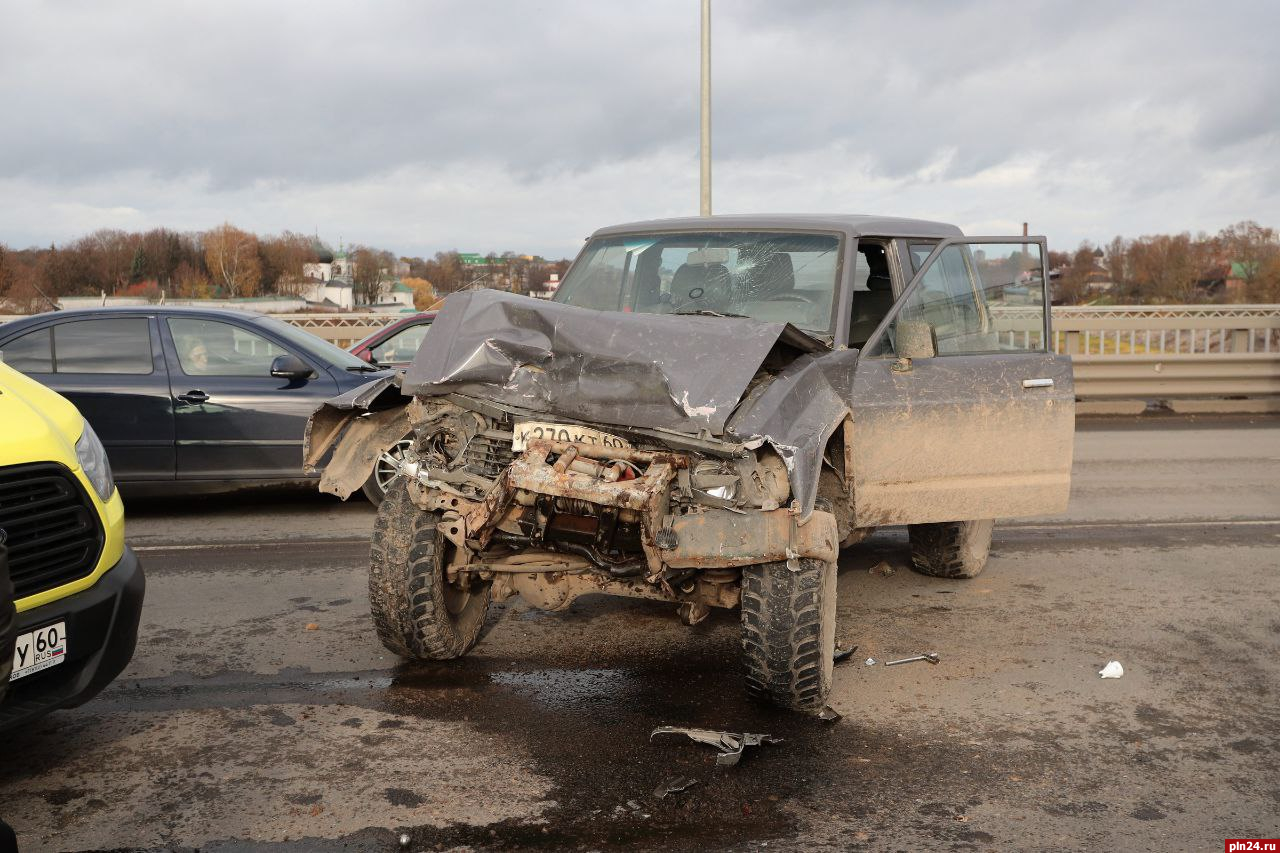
[774, 277]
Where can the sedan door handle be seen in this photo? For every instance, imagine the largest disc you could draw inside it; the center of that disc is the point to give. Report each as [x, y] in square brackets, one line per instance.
[194, 397]
[1037, 383]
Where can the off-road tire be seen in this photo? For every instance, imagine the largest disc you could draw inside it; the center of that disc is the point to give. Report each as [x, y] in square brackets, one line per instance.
[950, 549]
[788, 632]
[416, 612]
[8, 624]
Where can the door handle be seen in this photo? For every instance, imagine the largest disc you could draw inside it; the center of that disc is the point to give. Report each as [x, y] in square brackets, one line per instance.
[1037, 383]
[193, 397]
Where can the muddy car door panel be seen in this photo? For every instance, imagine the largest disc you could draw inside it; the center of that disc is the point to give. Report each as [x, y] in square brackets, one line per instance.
[958, 437]
[959, 410]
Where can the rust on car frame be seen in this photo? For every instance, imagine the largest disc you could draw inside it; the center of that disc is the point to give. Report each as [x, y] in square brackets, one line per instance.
[717, 541]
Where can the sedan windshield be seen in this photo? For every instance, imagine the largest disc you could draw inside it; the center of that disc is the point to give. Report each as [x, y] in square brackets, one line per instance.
[318, 347]
[771, 276]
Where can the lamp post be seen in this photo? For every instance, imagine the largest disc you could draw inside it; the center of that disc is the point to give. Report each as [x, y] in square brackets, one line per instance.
[704, 201]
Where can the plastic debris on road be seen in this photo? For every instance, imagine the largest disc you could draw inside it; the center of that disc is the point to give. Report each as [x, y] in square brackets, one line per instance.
[843, 655]
[1112, 670]
[729, 745]
[674, 785]
[829, 714]
[870, 662]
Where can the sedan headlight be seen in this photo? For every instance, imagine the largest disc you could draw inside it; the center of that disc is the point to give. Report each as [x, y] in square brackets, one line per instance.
[93, 460]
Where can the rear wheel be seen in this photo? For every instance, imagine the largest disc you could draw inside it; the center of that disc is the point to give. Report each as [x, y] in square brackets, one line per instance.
[375, 488]
[417, 612]
[950, 549]
[788, 632]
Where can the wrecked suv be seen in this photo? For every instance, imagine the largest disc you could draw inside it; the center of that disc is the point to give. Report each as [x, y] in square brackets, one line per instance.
[707, 411]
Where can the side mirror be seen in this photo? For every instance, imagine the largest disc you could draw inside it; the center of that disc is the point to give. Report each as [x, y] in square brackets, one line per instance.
[914, 339]
[291, 367]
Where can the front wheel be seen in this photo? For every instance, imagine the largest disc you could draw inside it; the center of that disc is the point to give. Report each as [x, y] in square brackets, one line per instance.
[950, 549]
[789, 631]
[417, 612]
[375, 488]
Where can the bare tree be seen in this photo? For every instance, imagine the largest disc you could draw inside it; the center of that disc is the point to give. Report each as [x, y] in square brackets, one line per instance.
[1252, 249]
[232, 258]
[371, 274]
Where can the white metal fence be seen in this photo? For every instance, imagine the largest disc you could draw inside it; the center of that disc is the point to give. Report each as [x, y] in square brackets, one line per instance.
[1120, 352]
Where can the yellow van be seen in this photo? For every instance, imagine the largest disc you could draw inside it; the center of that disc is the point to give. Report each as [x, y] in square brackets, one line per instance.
[77, 587]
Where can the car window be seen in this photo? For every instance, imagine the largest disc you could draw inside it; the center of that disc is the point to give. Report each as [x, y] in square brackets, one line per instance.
[115, 345]
[30, 353]
[308, 343]
[777, 277]
[402, 346]
[976, 298]
[214, 348]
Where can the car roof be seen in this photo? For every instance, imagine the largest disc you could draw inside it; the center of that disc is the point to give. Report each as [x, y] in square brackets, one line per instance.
[852, 225]
[105, 310]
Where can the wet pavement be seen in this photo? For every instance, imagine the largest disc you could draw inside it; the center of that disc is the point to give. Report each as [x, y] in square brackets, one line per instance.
[261, 714]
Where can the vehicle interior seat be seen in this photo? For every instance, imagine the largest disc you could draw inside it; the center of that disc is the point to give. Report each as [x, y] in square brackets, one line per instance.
[700, 286]
[871, 305]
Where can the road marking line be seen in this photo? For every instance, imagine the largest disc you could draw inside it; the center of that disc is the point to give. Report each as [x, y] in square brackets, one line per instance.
[1069, 525]
[261, 543]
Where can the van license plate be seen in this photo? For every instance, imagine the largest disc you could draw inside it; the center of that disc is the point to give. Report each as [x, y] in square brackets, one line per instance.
[527, 431]
[39, 649]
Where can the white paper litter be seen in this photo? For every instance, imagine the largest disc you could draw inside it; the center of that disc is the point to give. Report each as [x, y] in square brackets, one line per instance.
[1112, 670]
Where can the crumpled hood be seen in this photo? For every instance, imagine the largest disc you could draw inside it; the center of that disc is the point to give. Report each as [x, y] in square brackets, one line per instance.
[663, 371]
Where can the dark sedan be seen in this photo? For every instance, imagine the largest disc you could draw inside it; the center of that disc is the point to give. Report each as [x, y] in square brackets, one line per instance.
[196, 397]
[397, 344]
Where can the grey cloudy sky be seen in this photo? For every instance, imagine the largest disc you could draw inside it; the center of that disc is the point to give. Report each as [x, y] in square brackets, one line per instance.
[419, 126]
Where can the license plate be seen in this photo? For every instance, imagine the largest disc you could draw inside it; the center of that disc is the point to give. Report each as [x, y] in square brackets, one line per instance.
[39, 649]
[530, 430]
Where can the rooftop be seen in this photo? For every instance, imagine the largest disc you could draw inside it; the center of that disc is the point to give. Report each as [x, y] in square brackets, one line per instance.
[852, 225]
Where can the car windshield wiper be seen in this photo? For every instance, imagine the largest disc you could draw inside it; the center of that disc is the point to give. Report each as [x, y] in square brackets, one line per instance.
[364, 368]
[703, 312]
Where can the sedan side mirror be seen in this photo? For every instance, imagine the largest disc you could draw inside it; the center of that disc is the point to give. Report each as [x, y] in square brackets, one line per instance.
[291, 367]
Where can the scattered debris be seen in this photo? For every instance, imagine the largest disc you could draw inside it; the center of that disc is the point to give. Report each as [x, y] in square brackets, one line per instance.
[931, 657]
[881, 568]
[404, 839]
[829, 714]
[312, 626]
[633, 805]
[843, 655]
[730, 745]
[1112, 670]
[674, 785]
[870, 661]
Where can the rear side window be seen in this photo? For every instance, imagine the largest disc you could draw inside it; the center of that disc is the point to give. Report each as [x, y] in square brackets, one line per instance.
[117, 345]
[31, 353]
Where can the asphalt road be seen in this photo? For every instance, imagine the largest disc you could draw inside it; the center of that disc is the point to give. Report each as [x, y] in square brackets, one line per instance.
[261, 713]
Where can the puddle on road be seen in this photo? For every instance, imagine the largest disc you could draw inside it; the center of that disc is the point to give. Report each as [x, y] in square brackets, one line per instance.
[587, 728]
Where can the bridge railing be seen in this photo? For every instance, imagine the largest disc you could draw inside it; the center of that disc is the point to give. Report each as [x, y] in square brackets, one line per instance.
[1125, 352]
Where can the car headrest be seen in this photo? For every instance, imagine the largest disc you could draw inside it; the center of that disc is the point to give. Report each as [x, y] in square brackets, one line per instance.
[690, 277]
[879, 283]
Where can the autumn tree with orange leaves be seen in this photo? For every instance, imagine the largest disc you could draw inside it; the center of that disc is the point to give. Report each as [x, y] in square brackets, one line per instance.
[232, 258]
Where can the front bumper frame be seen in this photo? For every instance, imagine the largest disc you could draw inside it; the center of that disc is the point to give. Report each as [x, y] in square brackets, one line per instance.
[102, 631]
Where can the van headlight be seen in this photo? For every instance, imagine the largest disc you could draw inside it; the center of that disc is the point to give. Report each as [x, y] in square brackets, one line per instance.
[93, 461]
